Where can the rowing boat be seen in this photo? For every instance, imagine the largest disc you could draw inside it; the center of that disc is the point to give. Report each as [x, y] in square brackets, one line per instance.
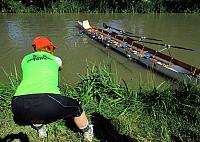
[134, 50]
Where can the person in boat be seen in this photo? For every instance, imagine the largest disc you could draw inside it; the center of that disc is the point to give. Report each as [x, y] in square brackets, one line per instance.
[38, 100]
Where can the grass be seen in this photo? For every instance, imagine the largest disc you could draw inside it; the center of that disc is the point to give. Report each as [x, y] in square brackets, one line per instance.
[163, 113]
[100, 6]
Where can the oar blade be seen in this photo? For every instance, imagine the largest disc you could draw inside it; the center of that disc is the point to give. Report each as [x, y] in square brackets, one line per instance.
[105, 26]
[178, 47]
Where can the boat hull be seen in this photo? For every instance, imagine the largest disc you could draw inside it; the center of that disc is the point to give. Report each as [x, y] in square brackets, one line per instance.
[165, 66]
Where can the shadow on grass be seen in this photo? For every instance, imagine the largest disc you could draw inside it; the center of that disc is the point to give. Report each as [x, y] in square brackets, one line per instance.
[21, 136]
[104, 130]
[186, 136]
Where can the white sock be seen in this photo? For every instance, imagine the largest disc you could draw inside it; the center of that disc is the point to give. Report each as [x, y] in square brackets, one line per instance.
[85, 128]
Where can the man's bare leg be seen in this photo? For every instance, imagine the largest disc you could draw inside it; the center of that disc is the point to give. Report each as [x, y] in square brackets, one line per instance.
[81, 121]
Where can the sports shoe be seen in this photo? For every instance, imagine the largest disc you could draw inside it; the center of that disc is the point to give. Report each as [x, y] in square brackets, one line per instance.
[42, 130]
[88, 135]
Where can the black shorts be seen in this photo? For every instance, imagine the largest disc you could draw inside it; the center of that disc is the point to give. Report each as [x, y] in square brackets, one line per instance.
[45, 108]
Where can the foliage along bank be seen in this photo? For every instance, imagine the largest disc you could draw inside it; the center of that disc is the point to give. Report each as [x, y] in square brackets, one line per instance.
[100, 6]
[162, 113]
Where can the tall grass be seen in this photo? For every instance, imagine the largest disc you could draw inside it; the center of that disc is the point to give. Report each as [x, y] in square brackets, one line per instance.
[162, 113]
[100, 6]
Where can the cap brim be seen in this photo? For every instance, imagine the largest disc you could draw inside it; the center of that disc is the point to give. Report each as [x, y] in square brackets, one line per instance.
[53, 45]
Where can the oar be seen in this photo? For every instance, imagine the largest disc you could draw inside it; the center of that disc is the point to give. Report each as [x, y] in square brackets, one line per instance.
[129, 33]
[167, 45]
[143, 37]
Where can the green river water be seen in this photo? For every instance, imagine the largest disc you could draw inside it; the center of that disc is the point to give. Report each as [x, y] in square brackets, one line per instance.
[76, 51]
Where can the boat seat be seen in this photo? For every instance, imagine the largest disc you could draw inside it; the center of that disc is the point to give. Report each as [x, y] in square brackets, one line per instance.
[153, 59]
[148, 55]
[193, 72]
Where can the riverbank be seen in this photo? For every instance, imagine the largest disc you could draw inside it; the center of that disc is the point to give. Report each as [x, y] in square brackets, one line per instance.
[100, 6]
[162, 113]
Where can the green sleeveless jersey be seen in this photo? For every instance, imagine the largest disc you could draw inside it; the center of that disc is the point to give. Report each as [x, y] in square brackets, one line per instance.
[40, 74]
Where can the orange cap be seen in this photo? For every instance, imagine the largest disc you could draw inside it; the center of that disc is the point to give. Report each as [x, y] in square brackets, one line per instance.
[42, 41]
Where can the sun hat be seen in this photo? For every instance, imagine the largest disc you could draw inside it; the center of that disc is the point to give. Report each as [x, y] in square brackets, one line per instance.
[42, 41]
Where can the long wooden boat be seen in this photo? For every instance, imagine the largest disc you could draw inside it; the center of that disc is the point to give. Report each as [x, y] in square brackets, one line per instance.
[129, 47]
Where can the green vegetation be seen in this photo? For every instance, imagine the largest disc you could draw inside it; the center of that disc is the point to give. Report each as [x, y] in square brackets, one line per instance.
[162, 113]
[100, 6]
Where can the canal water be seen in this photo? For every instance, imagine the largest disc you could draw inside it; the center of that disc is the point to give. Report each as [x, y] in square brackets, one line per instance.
[77, 51]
